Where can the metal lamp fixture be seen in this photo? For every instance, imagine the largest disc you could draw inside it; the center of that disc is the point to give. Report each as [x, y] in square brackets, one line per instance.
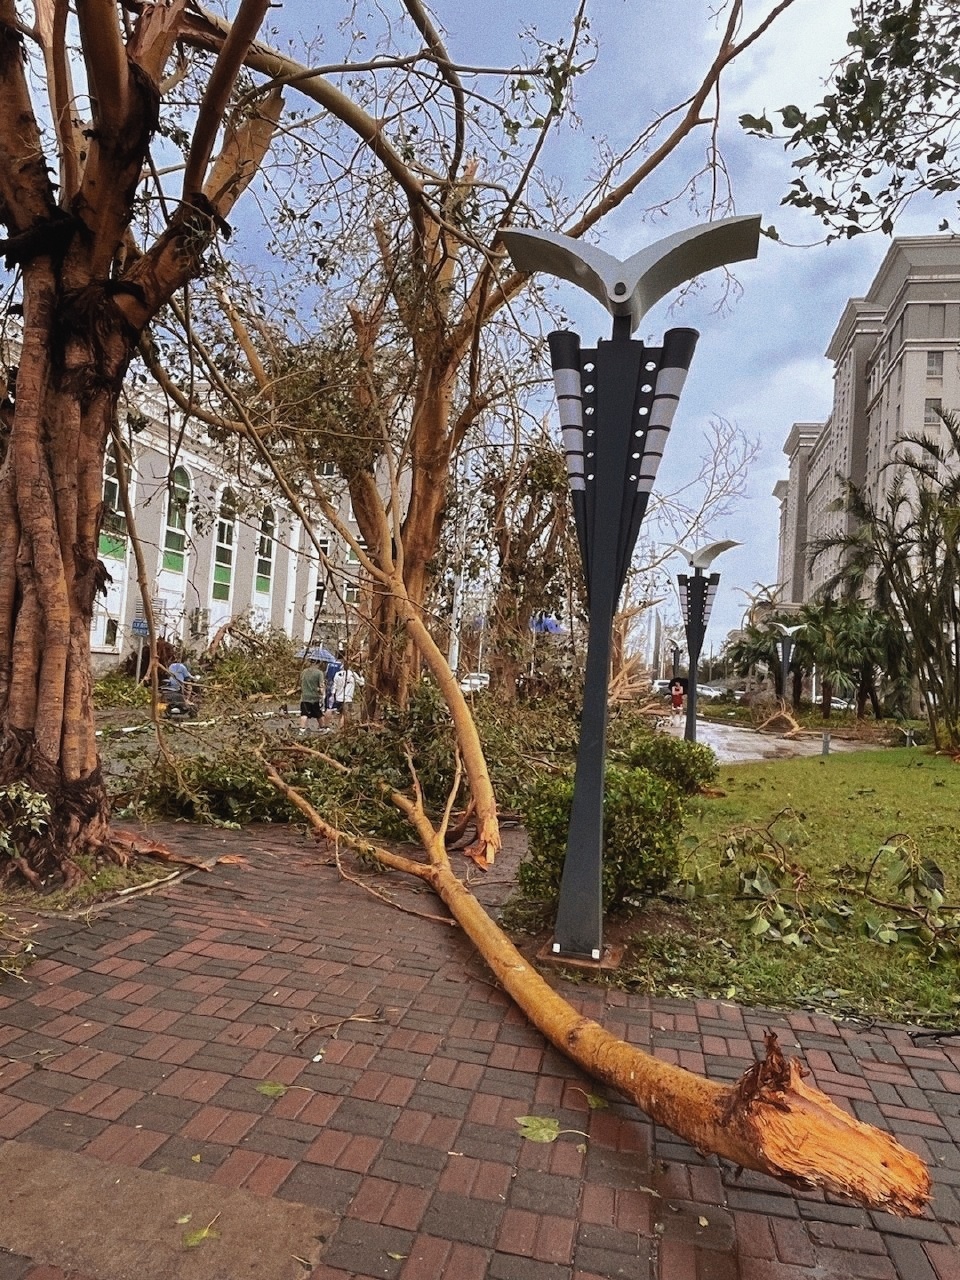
[785, 645]
[617, 403]
[697, 594]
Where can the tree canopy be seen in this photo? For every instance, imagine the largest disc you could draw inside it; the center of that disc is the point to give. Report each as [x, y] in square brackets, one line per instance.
[889, 127]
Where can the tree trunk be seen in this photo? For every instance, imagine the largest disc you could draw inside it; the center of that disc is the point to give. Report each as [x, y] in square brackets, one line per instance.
[826, 699]
[73, 359]
[769, 1120]
[88, 294]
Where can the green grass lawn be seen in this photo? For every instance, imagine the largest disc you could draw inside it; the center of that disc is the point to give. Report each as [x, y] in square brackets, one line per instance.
[781, 911]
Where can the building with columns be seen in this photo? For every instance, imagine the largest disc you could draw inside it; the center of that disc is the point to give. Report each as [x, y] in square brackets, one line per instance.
[217, 545]
[896, 358]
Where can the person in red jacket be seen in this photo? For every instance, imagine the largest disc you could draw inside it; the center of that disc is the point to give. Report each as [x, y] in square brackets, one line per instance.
[676, 700]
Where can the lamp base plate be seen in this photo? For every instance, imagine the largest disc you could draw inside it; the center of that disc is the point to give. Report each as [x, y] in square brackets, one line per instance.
[610, 958]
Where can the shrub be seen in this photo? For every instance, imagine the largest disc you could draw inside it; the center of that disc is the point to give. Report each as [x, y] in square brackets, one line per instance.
[642, 819]
[690, 766]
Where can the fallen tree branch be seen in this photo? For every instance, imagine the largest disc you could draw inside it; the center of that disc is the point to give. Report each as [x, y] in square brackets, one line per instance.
[770, 1120]
[390, 902]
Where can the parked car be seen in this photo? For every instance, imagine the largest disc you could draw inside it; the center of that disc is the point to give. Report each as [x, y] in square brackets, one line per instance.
[709, 691]
[475, 681]
[843, 704]
[662, 687]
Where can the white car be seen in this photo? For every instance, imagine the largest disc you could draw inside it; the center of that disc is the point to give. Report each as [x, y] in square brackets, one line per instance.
[475, 681]
[709, 691]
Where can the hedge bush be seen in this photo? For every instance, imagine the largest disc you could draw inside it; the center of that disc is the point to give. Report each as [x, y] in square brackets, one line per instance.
[642, 818]
[690, 766]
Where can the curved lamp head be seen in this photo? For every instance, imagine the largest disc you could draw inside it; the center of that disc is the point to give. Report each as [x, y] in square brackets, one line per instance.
[704, 557]
[632, 287]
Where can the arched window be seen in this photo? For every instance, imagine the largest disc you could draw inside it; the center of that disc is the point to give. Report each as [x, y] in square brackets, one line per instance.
[113, 527]
[223, 554]
[265, 545]
[175, 537]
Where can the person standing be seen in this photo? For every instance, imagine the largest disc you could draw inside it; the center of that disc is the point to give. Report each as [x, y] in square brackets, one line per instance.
[676, 700]
[344, 690]
[311, 694]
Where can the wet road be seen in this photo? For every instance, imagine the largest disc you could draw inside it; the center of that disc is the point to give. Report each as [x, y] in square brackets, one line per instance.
[734, 744]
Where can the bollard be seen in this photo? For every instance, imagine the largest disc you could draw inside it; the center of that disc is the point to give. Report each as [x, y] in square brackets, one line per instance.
[909, 737]
[825, 751]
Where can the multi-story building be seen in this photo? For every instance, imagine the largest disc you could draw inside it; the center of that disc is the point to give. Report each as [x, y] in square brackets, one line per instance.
[217, 546]
[792, 563]
[896, 364]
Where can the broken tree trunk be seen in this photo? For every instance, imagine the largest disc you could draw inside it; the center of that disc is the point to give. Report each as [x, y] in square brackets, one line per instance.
[769, 1120]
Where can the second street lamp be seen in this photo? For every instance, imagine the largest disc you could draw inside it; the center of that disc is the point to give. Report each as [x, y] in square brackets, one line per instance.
[785, 645]
[696, 601]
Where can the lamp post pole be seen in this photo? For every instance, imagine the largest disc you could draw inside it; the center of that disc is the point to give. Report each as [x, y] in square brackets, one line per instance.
[785, 646]
[616, 404]
[697, 593]
[676, 661]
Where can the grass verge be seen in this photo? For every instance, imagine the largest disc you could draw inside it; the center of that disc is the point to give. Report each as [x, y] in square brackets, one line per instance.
[785, 898]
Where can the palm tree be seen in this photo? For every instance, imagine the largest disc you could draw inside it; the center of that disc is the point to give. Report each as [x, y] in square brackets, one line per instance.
[905, 548]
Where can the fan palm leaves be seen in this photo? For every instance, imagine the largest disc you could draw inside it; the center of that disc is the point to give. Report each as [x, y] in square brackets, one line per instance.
[904, 547]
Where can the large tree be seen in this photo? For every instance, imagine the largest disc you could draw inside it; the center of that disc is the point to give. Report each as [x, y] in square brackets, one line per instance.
[72, 163]
[421, 168]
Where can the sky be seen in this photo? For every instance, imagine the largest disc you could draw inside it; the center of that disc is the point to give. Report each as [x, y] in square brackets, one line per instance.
[760, 361]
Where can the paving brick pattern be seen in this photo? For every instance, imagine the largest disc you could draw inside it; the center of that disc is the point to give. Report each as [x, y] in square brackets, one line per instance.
[397, 1070]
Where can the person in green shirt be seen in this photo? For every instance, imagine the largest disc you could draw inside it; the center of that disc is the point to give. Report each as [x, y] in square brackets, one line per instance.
[312, 682]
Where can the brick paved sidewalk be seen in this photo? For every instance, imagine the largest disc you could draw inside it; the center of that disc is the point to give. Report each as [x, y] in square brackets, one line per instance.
[139, 1039]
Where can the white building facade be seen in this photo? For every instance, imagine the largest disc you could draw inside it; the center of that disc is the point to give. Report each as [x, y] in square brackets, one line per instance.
[217, 545]
[896, 357]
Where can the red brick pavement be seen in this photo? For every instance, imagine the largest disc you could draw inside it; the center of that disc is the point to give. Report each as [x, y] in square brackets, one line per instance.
[140, 1037]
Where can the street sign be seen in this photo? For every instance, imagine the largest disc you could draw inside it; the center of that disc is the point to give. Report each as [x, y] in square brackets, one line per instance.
[139, 627]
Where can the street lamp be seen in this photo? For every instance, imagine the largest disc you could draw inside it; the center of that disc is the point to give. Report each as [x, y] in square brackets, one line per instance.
[676, 661]
[785, 645]
[696, 601]
[617, 403]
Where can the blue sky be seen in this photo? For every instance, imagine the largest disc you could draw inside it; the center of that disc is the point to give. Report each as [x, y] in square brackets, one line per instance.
[760, 363]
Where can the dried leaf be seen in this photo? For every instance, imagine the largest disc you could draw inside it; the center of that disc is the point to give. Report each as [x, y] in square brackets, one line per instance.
[704, 1222]
[195, 1159]
[184, 1219]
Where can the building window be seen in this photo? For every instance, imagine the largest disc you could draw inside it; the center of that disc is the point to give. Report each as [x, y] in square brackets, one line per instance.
[352, 557]
[113, 527]
[934, 364]
[175, 537]
[110, 633]
[328, 468]
[265, 545]
[351, 594]
[226, 539]
[931, 412]
[323, 575]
